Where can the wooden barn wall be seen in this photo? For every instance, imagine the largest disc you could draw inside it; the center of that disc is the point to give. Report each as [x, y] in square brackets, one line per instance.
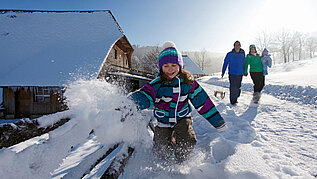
[23, 102]
[20, 103]
[8, 100]
[121, 61]
[39, 108]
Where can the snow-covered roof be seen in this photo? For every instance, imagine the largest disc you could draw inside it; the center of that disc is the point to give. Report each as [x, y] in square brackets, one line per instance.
[191, 66]
[51, 48]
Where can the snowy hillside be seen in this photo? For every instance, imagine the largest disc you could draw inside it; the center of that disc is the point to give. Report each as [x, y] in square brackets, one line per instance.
[273, 139]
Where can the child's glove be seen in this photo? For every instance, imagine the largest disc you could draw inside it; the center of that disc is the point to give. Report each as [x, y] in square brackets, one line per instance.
[222, 127]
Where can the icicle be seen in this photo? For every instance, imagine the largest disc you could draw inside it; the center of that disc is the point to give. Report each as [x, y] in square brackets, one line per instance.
[32, 89]
[15, 88]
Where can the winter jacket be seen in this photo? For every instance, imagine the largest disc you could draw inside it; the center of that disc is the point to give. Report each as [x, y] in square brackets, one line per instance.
[236, 62]
[254, 62]
[170, 101]
[265, 59]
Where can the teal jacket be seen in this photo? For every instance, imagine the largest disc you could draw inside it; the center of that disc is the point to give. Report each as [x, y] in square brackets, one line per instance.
[170, 101]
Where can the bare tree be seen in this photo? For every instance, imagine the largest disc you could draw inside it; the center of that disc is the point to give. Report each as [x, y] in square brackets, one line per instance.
[135, 62]
[283, 39]
[150, 60]
[213, 61]
[293, 43]
[144, 59]
[311, 45]
[287, 45]
[201, 58]
[263, 40]
[300, 39]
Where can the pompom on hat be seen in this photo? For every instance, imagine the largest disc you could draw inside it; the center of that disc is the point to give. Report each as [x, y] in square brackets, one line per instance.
[170, 54]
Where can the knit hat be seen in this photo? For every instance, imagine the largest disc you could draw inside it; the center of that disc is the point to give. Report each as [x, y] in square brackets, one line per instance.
[170, 54]
[252, 46]
[265, 51]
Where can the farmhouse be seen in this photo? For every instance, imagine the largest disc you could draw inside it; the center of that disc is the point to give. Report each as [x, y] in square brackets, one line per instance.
[43, 51]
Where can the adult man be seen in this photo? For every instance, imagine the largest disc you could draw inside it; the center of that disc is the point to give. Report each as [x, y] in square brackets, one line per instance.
[236, 61]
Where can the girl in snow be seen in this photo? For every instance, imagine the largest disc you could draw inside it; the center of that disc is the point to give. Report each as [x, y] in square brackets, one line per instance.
[169, 93]
[256, 71]
[266, 62]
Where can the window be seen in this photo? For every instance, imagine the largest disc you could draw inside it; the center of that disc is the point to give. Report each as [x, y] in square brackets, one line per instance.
[115, 54]
[42, 94]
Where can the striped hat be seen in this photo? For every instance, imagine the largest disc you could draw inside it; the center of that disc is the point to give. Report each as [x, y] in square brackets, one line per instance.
[170, 54]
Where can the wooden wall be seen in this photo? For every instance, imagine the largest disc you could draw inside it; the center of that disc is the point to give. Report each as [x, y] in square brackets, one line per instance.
[111, 64]
[19, 103]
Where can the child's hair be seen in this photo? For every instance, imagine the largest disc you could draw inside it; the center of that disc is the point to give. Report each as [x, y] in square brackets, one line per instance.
[188, 78]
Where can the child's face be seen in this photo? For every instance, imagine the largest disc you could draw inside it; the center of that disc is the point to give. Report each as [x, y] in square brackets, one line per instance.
[253, 50]
[170, 70]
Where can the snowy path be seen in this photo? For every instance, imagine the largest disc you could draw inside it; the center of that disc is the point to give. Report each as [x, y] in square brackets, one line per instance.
[275, 139]
[285, 133]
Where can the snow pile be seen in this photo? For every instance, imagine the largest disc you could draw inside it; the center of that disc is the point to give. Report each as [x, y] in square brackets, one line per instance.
[92, 106]
[101, 106]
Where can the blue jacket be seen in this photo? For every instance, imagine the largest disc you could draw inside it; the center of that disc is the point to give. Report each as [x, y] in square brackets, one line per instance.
[170, 101]
[236, 62]
[265, 59]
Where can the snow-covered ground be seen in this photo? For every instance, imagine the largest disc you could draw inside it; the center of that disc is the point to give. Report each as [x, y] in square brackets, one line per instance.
[276, 138]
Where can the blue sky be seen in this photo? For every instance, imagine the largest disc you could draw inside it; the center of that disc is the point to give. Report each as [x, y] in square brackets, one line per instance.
[192, 24]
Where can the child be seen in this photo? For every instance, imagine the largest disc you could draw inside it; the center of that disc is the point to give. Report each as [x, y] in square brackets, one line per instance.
[266, 62]
[169, 93]
[256, 71]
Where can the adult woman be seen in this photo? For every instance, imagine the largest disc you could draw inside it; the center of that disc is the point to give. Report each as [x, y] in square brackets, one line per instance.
[256, 71]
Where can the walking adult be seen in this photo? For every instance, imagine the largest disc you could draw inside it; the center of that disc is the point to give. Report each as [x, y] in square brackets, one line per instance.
[253, 60]
[235, 59]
